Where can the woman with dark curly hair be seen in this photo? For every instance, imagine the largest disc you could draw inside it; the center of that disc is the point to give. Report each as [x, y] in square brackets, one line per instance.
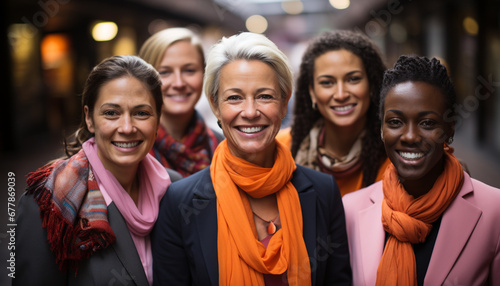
[335, 127]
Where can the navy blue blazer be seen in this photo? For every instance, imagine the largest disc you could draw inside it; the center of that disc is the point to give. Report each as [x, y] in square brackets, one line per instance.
[184, 240]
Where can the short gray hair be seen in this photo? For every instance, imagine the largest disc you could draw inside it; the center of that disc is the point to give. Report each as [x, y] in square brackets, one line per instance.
[246, 46]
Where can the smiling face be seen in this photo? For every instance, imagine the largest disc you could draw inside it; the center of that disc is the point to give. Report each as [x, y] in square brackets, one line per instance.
[181, 73]
[250, 108]
[414, 130]
[124, 122]
[341, 89]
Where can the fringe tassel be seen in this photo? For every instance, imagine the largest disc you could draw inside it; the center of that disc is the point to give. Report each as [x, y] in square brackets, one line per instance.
[68, 241]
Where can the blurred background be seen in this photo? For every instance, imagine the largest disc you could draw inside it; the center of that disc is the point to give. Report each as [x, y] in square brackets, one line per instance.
[48, 48]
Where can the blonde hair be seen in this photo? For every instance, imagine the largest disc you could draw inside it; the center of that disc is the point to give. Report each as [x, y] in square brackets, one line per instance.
[153, 49]
[246, 46]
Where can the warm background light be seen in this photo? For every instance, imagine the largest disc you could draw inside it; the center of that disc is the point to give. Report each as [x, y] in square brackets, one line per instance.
[104, 31]
[471, 26]
[340, 4]
[292, 7]
[256, 24]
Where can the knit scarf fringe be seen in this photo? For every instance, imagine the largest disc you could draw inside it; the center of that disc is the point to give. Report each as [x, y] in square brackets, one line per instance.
[63, 235]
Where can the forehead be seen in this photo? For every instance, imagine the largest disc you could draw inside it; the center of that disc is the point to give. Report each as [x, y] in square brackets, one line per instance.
[180, 52]
[336, 59]
[247, 74]
[125, 89]
[411, 95]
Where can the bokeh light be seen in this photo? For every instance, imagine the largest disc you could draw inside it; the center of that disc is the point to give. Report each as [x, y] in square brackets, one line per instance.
[340, 4]
[104, 31]
[292, 7]
[256, 24]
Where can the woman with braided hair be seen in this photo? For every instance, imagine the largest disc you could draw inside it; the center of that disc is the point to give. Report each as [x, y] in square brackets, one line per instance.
[335, 125]
[427, 222]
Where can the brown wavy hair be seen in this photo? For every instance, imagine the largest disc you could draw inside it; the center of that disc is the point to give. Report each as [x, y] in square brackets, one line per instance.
[372, 152]
[109, 69]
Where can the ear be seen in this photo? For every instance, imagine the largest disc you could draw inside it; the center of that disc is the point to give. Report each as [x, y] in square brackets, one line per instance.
[88, 119]
[214, 106]
[284, 107]
[312, 94]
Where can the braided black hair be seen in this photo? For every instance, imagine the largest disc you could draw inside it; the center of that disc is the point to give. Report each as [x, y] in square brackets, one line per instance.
[423, 69]
[372, 153]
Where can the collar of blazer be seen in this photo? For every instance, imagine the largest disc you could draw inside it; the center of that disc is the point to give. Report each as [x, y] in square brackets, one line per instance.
[461, 214]
[204, 201]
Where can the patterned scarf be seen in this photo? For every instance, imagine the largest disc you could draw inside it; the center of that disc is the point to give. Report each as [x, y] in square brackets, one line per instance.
[190, 155]
[313, 155]
[72, 208]
[242, 257]
[409, 220]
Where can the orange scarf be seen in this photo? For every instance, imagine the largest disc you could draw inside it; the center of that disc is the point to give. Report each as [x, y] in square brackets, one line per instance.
[242, 257]
[408, 220]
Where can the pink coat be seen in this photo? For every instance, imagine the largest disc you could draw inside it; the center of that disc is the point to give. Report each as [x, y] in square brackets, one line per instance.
[467, 248]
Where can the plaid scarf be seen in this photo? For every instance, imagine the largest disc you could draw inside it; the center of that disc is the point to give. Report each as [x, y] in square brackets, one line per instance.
[72, 208]
[190, 155]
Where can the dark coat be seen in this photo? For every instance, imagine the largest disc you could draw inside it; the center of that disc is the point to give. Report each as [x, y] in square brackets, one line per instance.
[118, 264]
[184, 240]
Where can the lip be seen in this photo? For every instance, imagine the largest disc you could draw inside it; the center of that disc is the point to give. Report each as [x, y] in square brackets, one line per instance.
[178, 97]
[344, 109]
[127, 146]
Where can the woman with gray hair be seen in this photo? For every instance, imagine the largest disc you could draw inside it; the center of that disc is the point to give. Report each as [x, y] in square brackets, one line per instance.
[254, 217]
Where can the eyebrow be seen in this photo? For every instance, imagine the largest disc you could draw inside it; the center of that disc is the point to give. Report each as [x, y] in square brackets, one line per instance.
[259, 90]
[118, 106]
[347, 74]
[420, 114]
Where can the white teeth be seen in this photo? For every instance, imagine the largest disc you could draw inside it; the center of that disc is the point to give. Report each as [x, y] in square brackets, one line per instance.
[178, 96]
[251, 129]
[343, 108]
[411, 156]
[126, 145]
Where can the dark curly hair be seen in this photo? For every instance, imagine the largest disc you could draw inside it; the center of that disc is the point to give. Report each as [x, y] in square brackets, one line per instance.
[418, 68]
[106, 71]
[372, 153]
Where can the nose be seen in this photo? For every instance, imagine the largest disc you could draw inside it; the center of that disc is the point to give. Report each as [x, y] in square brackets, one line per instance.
[178, 80]
[126, 125]
[250, 109]
[410, 134]
[340, 93]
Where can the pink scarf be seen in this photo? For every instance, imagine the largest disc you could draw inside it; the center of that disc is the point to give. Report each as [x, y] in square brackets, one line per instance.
[140, 219]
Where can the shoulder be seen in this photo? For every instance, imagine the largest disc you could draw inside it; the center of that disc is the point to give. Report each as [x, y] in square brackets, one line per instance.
[185, 189]
[484, 196]
[174, 175]
[218, 135]
[364, 197]
[316, 178]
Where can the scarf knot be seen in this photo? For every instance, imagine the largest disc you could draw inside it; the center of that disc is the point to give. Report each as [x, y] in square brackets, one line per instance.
[242, 257]
[404, 227]
[408, 220]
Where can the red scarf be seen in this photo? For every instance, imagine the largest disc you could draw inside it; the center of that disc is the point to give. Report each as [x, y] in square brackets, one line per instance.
[190, 155]
[72, 208]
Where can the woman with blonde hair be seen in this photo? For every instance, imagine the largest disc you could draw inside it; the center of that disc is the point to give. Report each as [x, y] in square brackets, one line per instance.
[184, 142]
[254, 217]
